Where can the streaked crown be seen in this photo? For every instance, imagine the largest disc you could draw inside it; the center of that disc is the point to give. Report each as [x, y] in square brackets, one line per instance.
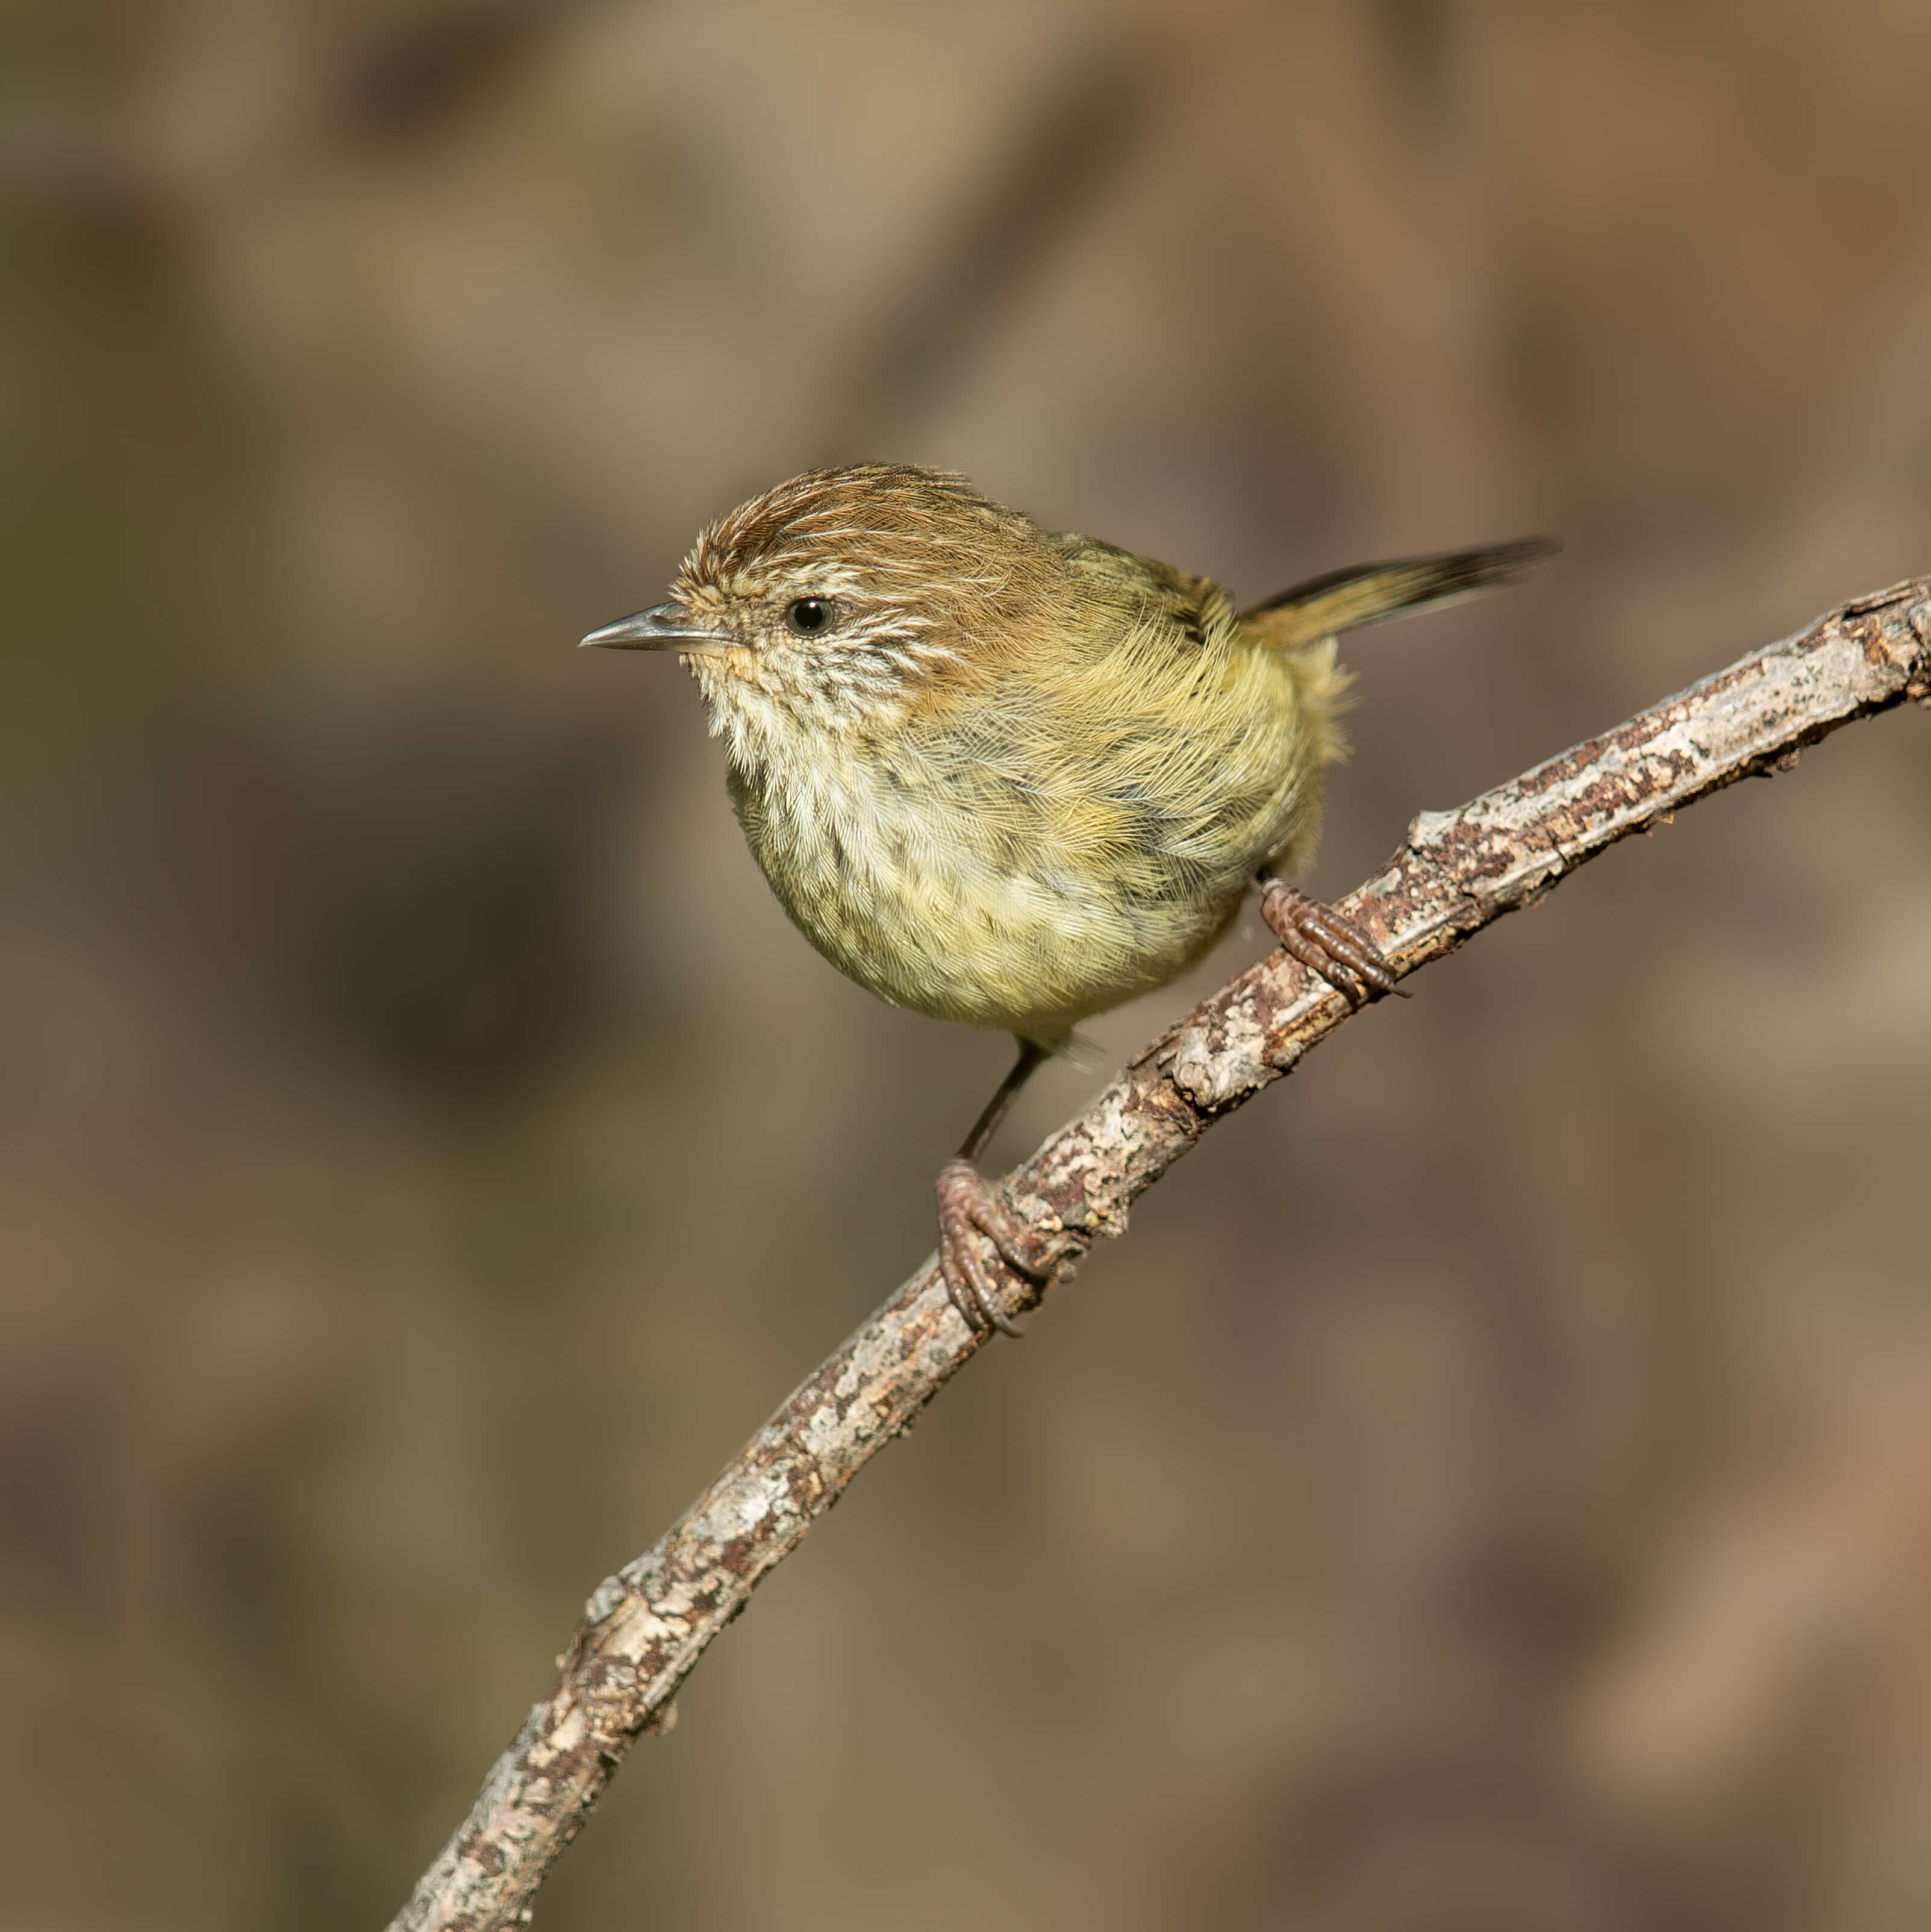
[843, 586]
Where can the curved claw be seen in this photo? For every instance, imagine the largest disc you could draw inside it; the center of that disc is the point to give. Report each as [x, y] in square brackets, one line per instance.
[1328, 943]
[967, 1207]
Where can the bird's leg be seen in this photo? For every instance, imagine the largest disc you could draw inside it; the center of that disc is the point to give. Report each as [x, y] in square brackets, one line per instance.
[968, 1207]
[1326, 942]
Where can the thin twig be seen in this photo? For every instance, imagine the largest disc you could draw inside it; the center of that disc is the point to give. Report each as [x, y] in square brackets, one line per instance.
[645, 1628]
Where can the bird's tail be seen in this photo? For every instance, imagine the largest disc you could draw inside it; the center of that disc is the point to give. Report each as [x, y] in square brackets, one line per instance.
[1344, 599]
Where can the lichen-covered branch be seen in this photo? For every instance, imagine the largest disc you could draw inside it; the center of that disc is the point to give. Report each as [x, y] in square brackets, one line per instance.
[644, 1628]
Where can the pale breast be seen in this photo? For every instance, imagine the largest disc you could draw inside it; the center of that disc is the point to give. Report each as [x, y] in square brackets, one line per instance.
[976, 875]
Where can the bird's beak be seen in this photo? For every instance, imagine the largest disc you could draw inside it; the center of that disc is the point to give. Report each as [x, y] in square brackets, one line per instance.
[664, 627]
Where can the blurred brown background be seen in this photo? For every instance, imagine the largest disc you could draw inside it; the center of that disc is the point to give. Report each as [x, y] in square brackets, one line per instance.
[1492, 1487]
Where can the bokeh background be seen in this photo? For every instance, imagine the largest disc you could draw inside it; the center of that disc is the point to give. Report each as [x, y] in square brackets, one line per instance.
[1491, 1487]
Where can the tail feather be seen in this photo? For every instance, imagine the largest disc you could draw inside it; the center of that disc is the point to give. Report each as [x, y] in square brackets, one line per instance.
[1343, 599]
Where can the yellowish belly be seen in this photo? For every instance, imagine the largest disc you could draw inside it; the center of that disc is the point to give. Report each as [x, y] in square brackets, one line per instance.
[1049, 846]
[936, 908]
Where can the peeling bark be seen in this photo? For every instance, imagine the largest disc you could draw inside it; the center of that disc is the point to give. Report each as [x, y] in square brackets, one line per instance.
[644, 1629]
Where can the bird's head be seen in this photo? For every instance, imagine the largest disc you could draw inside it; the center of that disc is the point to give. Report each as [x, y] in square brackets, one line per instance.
[836, 600]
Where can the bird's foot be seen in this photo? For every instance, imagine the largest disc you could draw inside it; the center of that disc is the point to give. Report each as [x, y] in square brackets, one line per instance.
[1327, 943]
[968, 1208]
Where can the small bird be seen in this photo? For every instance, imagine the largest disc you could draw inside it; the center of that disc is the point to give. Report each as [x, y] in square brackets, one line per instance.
[1014, 776]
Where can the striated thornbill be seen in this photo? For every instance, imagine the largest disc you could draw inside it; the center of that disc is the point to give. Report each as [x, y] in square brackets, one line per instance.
[1014, 776]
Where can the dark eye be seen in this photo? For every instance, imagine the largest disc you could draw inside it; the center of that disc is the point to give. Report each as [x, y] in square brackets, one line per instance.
[809, 615]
